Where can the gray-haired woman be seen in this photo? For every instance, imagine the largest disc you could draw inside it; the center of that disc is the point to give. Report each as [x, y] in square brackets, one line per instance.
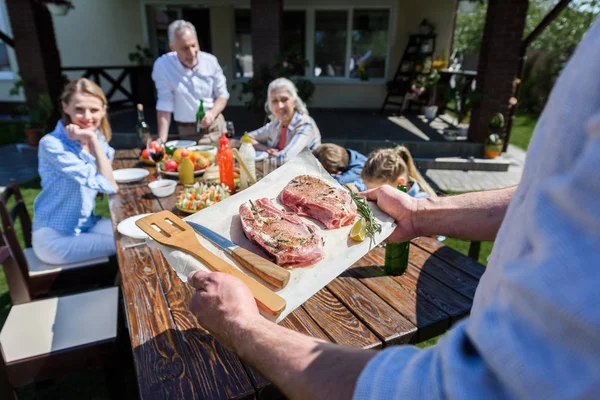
[291, 128]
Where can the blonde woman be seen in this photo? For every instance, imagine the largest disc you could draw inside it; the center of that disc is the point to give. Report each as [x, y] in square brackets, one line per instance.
[395, 167]
[74, 165]
[291, 128]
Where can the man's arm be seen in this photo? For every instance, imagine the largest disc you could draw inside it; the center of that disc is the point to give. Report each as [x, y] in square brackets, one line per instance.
[301, 366]
[163, 120]
[470, 216]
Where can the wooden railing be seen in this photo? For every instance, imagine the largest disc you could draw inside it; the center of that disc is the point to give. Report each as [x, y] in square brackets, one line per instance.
[142, 87]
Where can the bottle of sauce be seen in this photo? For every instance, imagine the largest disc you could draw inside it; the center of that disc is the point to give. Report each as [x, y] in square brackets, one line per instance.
[396, 254]
[249, 156]
[225, 162]
[186, 169]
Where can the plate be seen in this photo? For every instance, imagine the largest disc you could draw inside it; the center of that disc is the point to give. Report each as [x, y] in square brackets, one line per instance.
[176, 174]
[211, 149]
[128, 227]
[261, 155]
[128, 175]
[180, 143]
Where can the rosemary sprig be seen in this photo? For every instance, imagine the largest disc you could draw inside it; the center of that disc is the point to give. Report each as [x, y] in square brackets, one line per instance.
[362, 206]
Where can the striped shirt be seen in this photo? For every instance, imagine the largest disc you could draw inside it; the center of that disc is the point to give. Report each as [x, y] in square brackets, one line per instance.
[301, 132]
[70, 183]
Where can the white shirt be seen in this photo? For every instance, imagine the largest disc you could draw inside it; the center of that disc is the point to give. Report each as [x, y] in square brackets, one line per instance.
[534, 330]
[180, 89]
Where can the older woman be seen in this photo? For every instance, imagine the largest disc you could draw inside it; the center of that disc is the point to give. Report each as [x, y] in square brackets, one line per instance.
[291, 128]
[74, 165]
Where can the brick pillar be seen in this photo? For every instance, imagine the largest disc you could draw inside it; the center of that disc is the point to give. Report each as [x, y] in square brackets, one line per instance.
[36, 50]
[266, 32]
[498, 62]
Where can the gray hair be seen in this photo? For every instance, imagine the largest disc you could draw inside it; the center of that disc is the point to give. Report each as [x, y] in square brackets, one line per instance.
[291, 88]
[178, 27]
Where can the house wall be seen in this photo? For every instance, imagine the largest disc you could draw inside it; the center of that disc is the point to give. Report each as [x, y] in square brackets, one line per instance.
[102, 33]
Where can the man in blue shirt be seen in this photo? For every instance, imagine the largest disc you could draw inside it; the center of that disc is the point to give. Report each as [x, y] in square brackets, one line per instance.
[534, 330]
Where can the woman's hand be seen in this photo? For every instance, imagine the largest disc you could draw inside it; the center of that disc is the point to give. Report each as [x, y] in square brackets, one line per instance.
[272, 152]
[83, 136]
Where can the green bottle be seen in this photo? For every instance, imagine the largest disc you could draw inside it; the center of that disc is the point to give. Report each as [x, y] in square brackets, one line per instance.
[396, 254]
[199, 116]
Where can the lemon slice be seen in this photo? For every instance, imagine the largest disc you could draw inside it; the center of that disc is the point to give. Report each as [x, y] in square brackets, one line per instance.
[359, 230]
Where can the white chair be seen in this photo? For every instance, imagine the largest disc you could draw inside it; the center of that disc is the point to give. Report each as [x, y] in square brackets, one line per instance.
[46, 338]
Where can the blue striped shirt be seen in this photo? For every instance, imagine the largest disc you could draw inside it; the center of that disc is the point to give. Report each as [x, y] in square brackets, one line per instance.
[301, 132]
[70, 183]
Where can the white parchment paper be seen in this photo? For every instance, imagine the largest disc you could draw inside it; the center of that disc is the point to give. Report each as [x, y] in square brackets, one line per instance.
[223, 218]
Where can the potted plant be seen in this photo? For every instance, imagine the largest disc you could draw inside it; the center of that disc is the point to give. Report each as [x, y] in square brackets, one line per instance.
[37, 123]
[430, 84]
[494, 143]
[59, 7]
[140, 77]
[469, 6]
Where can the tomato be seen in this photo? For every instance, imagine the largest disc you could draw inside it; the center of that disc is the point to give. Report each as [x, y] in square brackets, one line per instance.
[156, 146]
[171, 166]
[185, 153]
[145, 154]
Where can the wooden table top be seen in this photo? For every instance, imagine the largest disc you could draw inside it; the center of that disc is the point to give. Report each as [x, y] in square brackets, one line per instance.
[175, 357]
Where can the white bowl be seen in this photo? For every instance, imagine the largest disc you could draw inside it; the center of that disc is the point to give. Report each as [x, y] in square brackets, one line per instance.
[163, 187]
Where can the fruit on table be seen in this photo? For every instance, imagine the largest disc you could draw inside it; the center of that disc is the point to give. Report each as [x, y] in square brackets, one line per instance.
[145, 154]
[185, 153]
[177, 154]
[201, 163]
[359, 230]
[171, 166]
[156, 146]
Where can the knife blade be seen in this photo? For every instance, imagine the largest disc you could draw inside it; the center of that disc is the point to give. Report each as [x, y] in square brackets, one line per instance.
[268, 271]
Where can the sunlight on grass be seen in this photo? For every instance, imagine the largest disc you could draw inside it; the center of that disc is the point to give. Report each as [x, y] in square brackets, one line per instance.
[522, 130]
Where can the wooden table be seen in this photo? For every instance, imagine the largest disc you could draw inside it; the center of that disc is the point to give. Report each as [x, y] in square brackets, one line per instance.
[175, 357]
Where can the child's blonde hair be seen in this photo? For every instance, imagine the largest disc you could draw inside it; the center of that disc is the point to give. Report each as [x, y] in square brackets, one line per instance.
[389, 164]
[334, 158]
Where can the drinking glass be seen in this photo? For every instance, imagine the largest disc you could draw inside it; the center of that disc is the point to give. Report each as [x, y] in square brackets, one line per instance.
[156, 151]
[230, 130]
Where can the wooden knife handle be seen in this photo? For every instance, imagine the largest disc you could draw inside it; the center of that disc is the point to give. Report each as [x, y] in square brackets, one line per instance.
[270, 272]
[266, 299]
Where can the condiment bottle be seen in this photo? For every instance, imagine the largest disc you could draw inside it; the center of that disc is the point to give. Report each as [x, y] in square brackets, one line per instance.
[249, 157]
[225, 161]
[186, 169]
[396, 254]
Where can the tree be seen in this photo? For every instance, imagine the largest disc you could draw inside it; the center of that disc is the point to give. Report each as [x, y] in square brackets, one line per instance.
[556, 43]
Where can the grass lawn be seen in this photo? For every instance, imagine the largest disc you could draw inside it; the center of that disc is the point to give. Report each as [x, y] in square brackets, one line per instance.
[522, 130]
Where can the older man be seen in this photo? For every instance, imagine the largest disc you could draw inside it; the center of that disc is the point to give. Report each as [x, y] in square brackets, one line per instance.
[183, 77]
[534, 330]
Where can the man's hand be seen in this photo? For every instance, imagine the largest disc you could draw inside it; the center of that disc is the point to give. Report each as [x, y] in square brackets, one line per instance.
[397, 205]
[83, 136]
[273, 152]
[223, 304]
[208, 120]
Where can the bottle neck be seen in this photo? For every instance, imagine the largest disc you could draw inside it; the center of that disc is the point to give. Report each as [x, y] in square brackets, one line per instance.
[140, 115]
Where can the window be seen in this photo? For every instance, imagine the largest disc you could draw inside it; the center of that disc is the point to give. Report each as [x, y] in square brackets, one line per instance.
[4, 61]
[330, 43]
[243, 44]
[369, 42]
[293, 42]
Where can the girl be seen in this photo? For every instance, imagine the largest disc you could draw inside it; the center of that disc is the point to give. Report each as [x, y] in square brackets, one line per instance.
[395, 167]
[74, 165]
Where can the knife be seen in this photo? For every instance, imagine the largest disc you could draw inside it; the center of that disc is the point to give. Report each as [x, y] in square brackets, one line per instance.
[270, 272]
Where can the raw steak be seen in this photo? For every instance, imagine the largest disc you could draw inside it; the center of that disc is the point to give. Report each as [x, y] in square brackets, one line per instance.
[291, 241]
[313, 197]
